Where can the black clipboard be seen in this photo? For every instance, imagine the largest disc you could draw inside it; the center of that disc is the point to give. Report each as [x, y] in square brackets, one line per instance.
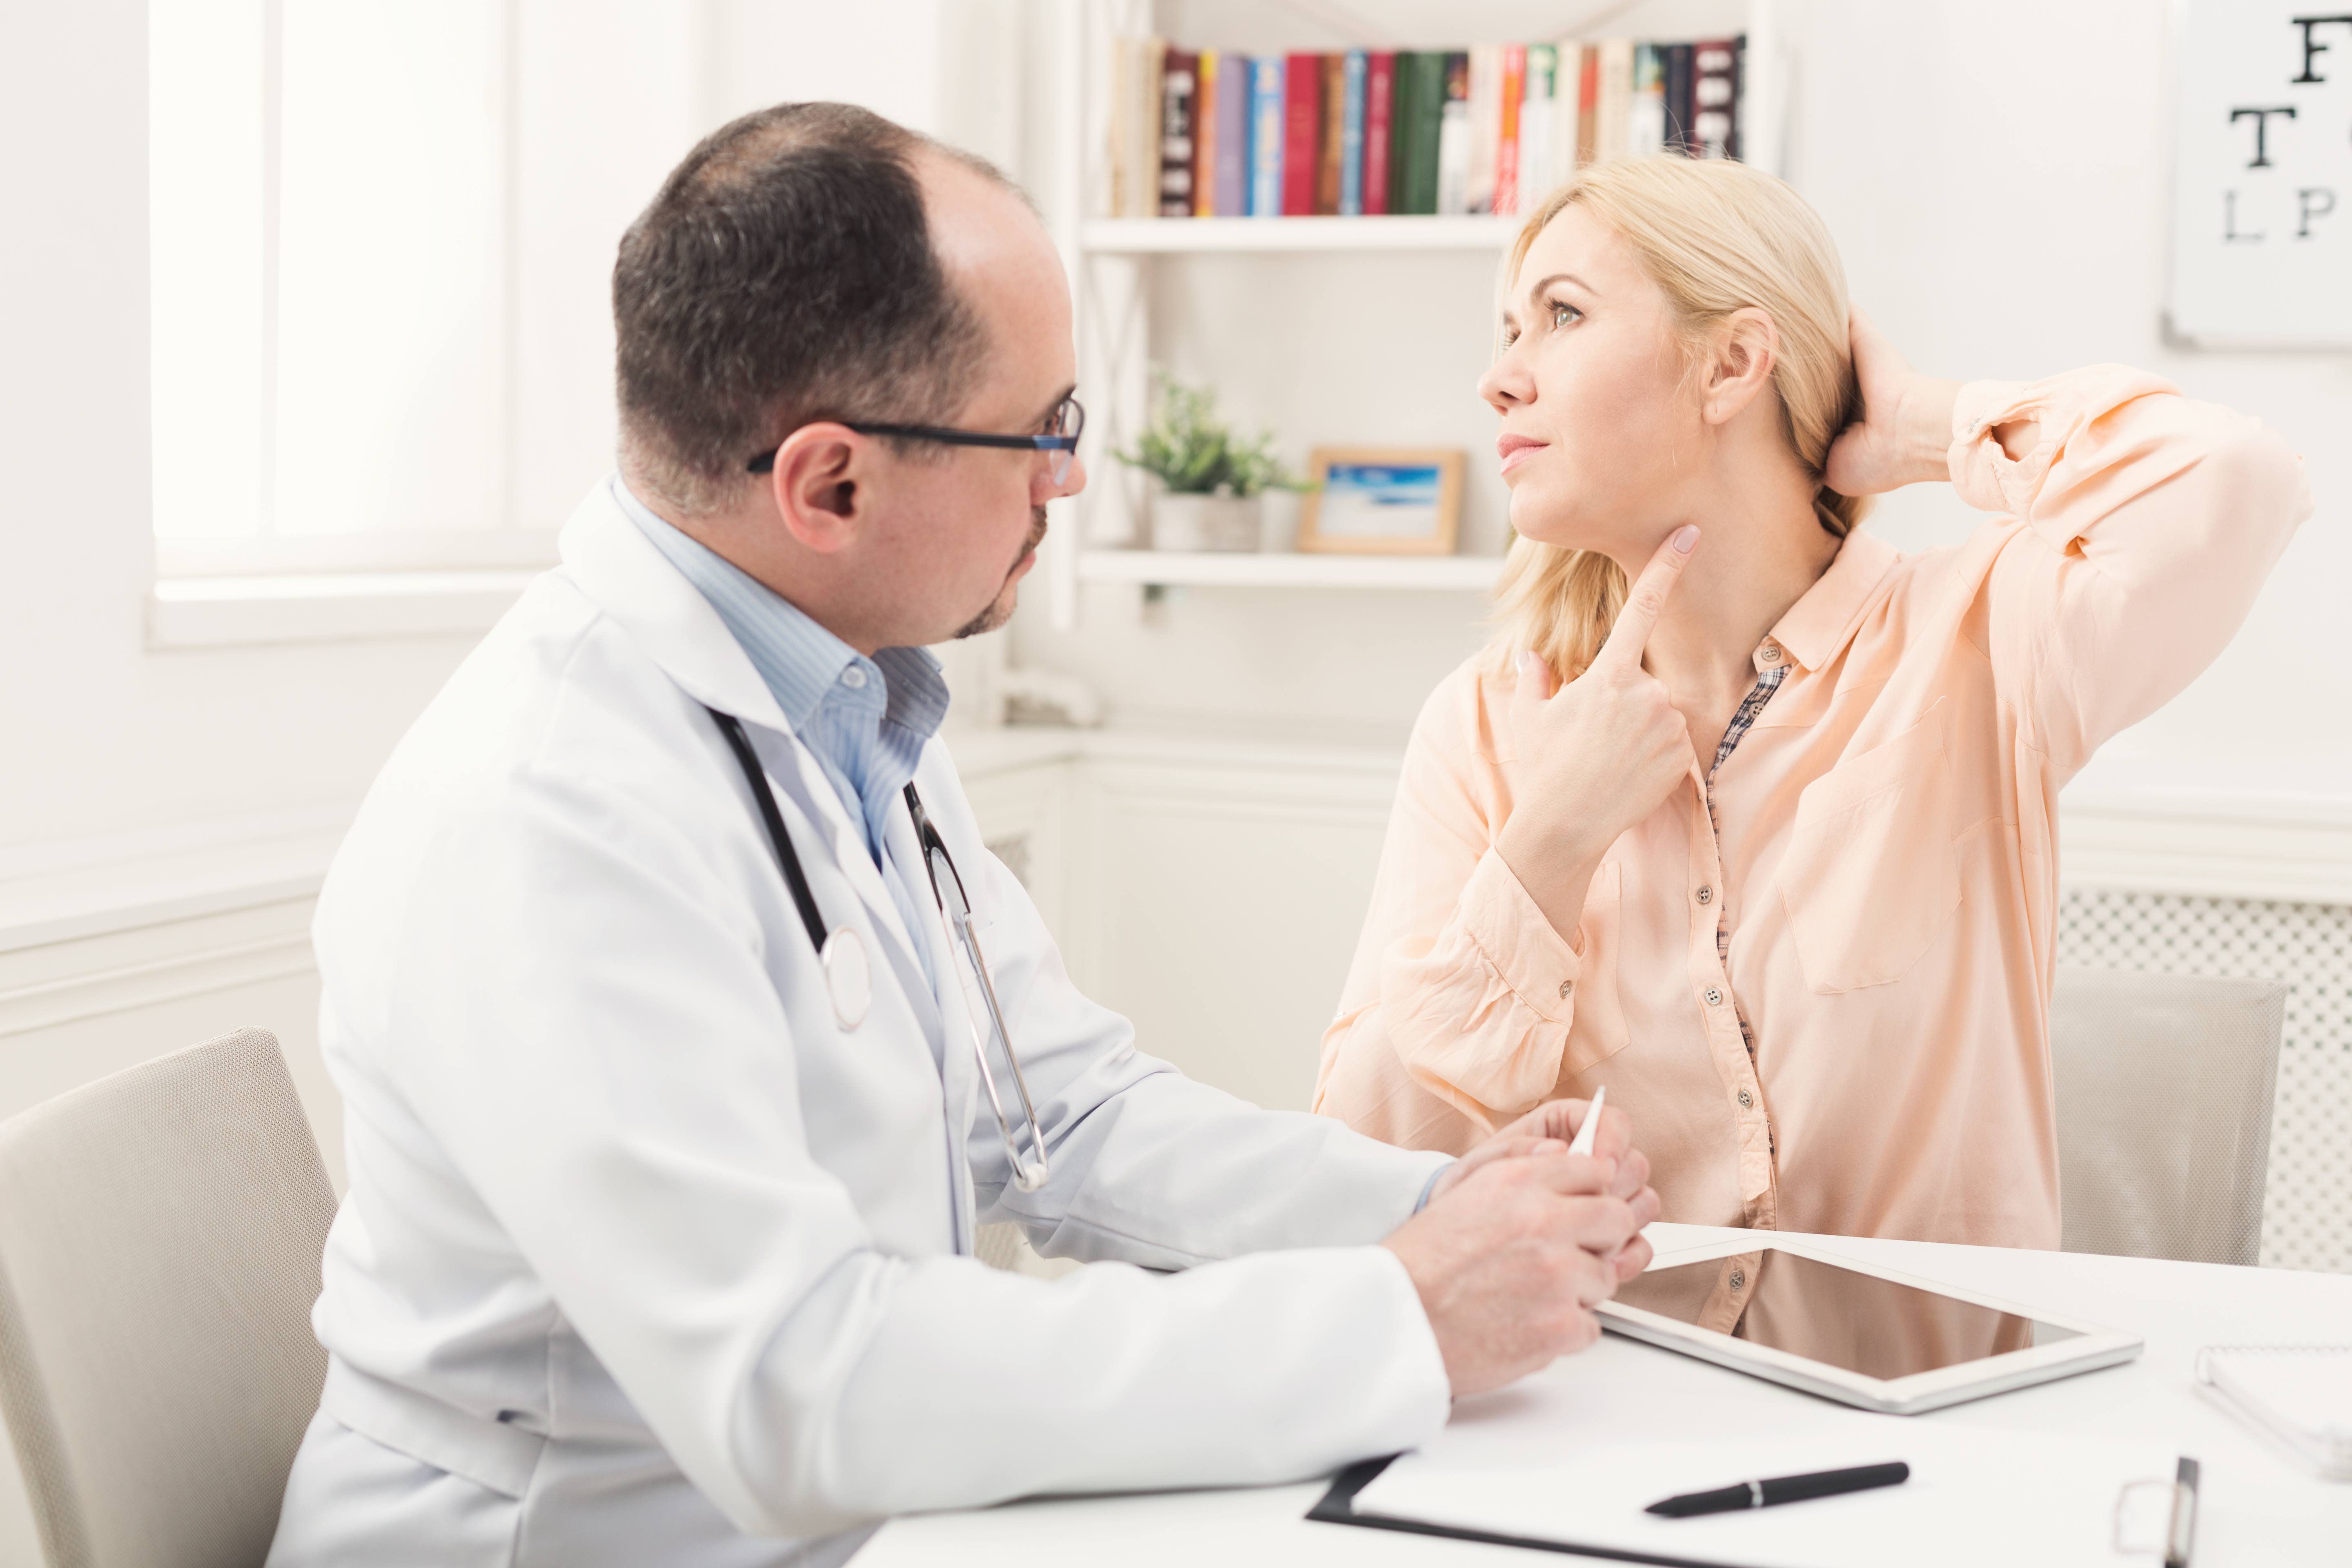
[1338, 1507]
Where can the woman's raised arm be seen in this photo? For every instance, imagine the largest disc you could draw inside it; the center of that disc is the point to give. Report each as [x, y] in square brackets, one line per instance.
[2145, 526]
[2148, 524]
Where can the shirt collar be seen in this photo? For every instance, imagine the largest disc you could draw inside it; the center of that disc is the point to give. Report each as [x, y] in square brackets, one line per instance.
[1818, 623]
[918, 690]
[800, 662]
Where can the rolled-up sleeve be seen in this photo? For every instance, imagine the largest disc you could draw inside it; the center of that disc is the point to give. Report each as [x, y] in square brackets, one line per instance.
[1481, 1011]
[2148, 522]
[1459, 1004]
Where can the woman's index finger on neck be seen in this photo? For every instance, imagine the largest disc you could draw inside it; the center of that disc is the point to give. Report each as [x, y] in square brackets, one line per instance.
[1647, 600]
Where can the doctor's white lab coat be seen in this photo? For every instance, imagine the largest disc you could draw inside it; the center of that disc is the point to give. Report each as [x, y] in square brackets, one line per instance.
[644, 1258]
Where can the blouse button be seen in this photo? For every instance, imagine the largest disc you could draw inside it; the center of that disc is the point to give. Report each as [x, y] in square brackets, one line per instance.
[1738, 1280]
[1565, 987]
[1769, 653]
[1747, 1100]
[1714, 998]
[1706, 894]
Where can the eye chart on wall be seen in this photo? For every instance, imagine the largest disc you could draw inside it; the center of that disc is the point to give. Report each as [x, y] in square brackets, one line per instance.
[2262, 196]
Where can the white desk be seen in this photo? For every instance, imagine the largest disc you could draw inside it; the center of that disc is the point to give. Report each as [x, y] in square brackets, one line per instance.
[2260, 1511]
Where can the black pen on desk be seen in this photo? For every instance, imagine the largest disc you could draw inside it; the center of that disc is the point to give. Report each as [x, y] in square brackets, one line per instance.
[2181, 1531]
[1782, 1488]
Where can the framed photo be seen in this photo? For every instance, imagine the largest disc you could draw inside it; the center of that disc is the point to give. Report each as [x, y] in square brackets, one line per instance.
[1381, 501]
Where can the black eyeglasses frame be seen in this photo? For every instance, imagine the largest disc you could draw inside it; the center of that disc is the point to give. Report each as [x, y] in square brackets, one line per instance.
[1066, 442]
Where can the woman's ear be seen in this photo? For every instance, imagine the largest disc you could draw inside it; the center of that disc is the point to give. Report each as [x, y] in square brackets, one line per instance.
[821, 486]
[1741, 364]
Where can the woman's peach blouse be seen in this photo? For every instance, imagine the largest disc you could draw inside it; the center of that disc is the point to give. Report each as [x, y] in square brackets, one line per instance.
[1876, 892]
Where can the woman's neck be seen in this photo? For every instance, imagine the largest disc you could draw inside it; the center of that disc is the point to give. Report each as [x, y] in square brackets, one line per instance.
[1760, 547]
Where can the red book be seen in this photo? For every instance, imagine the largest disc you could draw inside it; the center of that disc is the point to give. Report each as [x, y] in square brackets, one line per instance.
[1302, 133]
[1380, 101]
[1507, 151]
[1335, 135]
[1588, 98]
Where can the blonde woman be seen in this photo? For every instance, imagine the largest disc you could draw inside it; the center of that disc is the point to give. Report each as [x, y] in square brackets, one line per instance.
[1768, 844]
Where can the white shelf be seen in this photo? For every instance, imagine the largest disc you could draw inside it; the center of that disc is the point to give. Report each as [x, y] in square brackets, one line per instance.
[1468, 573]
[1157, 236]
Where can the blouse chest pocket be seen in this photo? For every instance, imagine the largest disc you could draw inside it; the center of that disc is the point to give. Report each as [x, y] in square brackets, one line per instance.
[1597, 1029]
[1869, 878]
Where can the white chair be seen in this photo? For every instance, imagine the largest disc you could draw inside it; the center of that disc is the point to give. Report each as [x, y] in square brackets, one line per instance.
[160, 1241]
[2164, 1085]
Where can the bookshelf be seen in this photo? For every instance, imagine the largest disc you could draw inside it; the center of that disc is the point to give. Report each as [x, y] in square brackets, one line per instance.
[1128, 270]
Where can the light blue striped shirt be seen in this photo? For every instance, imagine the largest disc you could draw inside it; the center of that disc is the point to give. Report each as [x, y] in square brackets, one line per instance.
[866, 719]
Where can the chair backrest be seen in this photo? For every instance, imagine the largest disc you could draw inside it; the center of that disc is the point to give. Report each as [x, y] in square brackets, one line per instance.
[2165, 1085]
[160, 1241]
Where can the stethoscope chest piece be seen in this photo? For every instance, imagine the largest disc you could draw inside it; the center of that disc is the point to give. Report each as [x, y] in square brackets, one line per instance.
[848, 977]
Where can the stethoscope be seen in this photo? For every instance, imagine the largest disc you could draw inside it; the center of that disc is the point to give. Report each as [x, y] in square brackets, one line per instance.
[841, 954]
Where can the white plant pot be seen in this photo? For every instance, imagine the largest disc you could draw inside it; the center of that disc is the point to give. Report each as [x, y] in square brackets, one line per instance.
[1278, 531]
[1204, 523]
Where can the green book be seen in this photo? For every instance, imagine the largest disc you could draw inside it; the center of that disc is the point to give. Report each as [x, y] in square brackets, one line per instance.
[1423, 111]
[1400, 92]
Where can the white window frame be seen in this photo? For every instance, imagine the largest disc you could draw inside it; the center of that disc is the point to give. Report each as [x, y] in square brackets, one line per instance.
[270, 587]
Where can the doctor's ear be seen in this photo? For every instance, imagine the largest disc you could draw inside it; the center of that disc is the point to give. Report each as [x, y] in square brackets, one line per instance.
[821, 485]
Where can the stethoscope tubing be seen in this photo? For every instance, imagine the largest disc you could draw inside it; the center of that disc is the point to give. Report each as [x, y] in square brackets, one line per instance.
[1027, 1175]
[773, 818]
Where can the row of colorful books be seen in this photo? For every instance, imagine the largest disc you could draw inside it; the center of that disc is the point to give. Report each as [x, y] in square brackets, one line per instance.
[1210, 133]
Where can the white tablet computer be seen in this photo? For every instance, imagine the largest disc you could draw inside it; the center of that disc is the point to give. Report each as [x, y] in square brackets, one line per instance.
[1775, 1308]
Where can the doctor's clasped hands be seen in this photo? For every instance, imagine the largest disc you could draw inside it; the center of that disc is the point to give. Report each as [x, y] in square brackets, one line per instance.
[1521, 1239]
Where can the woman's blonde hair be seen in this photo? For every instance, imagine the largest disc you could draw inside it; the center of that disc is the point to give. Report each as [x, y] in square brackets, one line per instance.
[1716, 238]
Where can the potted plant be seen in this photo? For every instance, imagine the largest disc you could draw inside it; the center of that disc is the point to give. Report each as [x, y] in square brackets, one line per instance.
[1209, 481]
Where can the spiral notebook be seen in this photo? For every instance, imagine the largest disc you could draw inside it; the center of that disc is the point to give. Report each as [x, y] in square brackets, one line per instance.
[2299, 1395]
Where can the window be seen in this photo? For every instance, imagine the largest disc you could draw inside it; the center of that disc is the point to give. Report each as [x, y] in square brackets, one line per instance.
[333, 287]
[383, 241]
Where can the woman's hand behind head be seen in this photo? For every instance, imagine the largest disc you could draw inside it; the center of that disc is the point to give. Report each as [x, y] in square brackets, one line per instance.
[1905, 429]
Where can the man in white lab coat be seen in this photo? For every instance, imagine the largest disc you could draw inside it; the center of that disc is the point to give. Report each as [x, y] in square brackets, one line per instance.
[657, 1246]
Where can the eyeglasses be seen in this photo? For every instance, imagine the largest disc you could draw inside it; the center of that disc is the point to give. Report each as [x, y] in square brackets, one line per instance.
[1060, 439]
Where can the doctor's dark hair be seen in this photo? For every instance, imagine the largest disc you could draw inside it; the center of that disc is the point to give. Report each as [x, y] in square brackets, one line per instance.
[784, 274]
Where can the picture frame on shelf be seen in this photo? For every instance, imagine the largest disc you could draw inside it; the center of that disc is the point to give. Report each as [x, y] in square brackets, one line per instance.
[1381, 501]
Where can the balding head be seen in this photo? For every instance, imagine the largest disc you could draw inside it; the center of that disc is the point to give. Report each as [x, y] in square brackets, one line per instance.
[792, 268]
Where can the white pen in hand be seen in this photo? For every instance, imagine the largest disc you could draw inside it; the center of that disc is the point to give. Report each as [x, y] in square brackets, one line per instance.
[1591, 1128]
